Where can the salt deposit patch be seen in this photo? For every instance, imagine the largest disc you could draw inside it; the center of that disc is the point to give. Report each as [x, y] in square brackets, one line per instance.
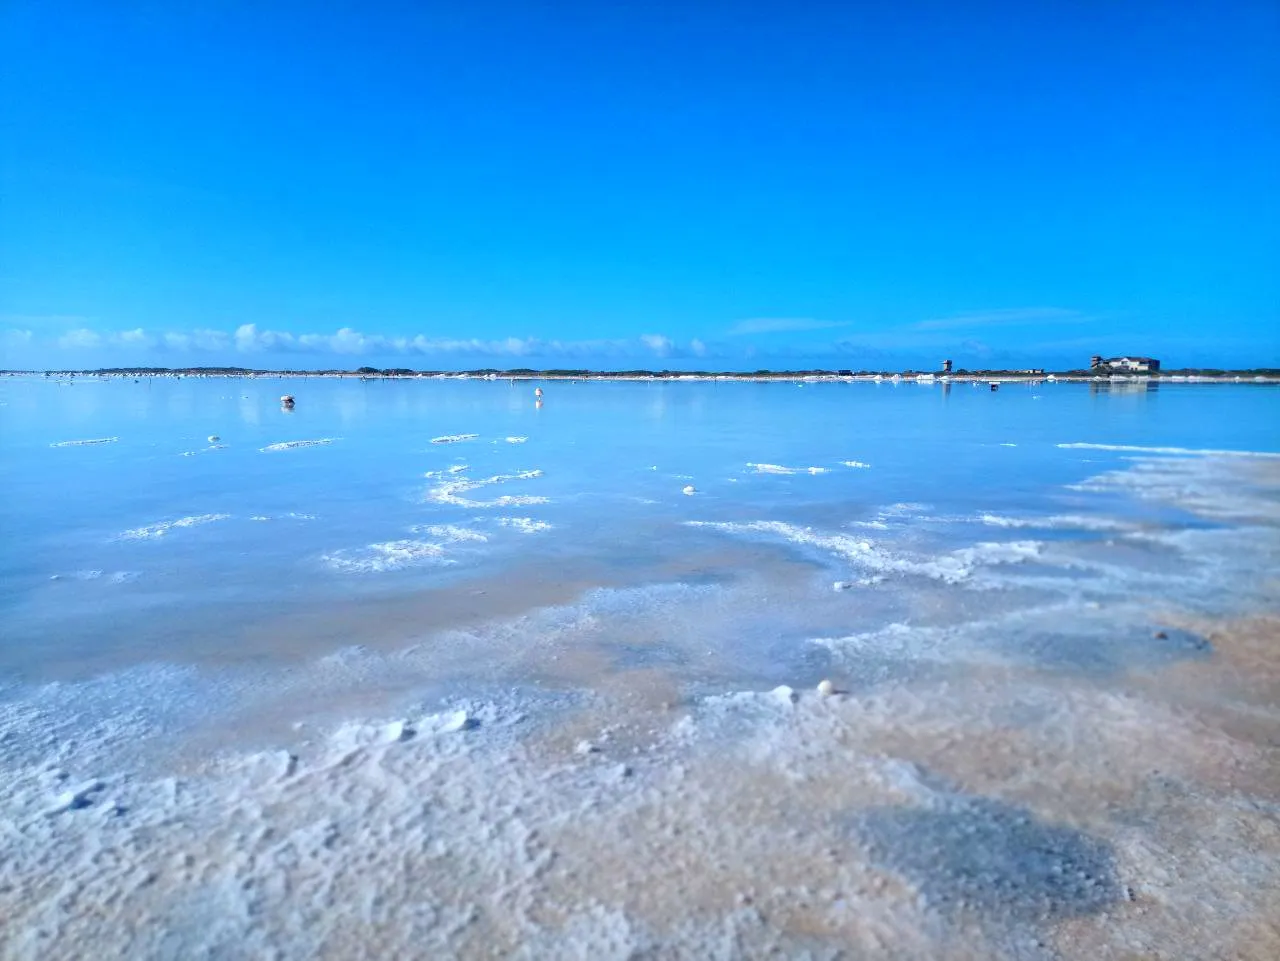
[1224, 489]
[854, 463]
[451, 492]
[1079, 522]
[77, 576]
[296, 444]
[779, 469]
[516, 440]
[386, 556]
[116, 577]
[1186, 451]
[525, 525]
[450, 533]
[85, 443]
[453, 438]
[953, 567]
[447, 472]
[153, 531]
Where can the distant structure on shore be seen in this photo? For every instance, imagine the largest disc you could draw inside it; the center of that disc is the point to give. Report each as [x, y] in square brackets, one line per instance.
[1124, 365]
[946, 366]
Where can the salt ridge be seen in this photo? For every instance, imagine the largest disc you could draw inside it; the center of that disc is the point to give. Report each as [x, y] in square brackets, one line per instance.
[386, 556]
[85, 443]
[779, 469]
[1191, 451]
[296, 444]
[525, 525]
[153, 531]
[451, 492]
[953, 567]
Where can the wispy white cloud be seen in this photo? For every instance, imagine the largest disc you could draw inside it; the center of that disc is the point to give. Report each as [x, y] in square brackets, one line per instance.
[79, 339]
[658, 343]
[783, 325]
[135, 337]
[250, 339]
[1006, 317]
[200, 339]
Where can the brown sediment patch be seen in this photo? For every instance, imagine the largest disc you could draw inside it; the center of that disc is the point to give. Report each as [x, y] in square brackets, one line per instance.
[760, 830]
[1230, 700]
[1201, 882]
[1245, 662]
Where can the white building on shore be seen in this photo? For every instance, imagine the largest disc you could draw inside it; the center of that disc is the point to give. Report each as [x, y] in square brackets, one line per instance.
[1123, 365]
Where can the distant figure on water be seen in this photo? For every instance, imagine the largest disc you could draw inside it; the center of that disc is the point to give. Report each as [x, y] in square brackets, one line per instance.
[286, 402]
[537, 392]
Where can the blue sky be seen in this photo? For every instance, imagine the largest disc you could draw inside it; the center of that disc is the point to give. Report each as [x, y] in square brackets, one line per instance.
[652, 184]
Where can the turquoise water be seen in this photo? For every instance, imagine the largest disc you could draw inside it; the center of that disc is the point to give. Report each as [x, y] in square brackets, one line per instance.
[638, 556]
[90, 560]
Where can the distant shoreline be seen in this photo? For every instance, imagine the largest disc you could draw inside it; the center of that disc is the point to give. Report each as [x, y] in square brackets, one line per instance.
[1185, 375]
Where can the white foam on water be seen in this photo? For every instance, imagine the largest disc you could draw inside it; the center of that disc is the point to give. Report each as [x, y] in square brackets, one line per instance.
[895, 513]
[117, 577]
[85, 443]
[1206, 486]
[953, 567]
[453, 438]
[525, 525]
[1177, 451]
[290, 515]
[386, 556]
[451, 492]
[1081, 522]
[296, 444]
[516, 440]
[1008, 444]
[154, 531]
[447, 472]
[450, 533]
[854, 463]
[204, 450]
[779, 469]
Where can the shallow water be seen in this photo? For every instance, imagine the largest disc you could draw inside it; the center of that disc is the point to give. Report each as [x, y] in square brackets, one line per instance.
[424, 659]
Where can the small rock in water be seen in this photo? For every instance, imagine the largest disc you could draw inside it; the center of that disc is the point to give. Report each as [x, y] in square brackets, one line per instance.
[1161, 636]
[585, 747]
[841, 586]
[826, 688]
[214, 438]
[690, 489]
